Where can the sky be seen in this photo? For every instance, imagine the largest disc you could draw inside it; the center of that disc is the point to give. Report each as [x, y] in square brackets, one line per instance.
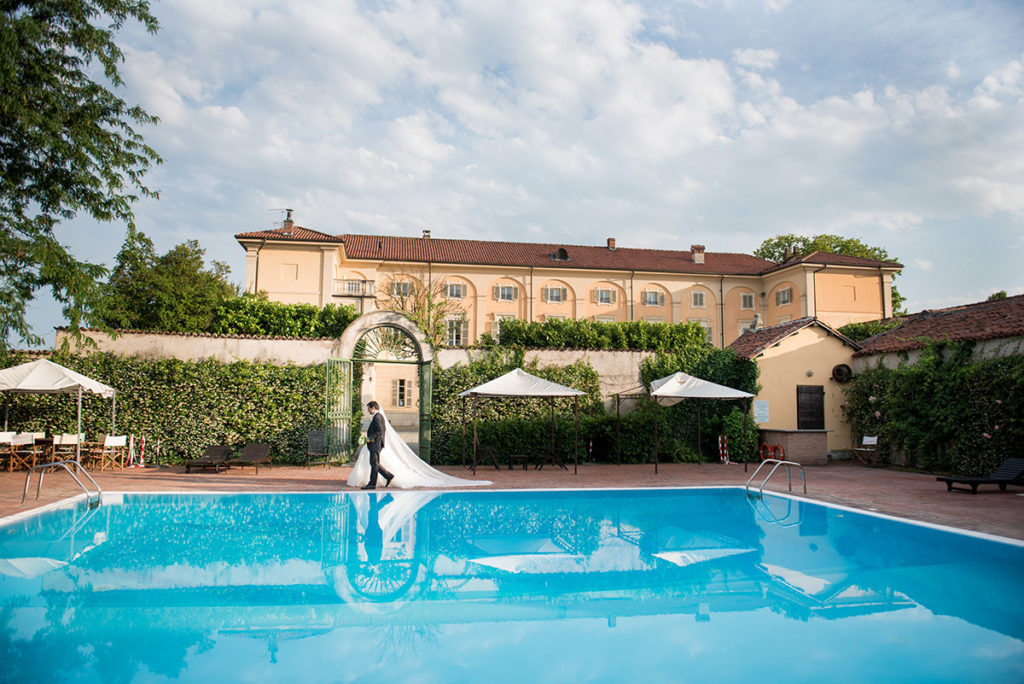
[660, 123]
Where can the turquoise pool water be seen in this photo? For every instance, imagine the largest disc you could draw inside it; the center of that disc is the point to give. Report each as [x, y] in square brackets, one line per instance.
[548, 586]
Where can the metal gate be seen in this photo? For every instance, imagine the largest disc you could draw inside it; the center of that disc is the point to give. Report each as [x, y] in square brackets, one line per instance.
[338, 428]
[339, 391]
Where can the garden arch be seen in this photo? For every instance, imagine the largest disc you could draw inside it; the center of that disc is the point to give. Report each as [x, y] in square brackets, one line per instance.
[389, 337]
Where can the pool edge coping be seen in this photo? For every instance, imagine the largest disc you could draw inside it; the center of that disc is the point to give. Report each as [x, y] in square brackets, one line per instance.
[69, 501]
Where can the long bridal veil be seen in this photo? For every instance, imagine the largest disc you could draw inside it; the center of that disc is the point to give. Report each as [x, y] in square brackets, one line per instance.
[409, 470]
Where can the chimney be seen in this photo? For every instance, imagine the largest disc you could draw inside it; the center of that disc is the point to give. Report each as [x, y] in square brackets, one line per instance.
[288, 223]
[698, 253]
[426, 233]
[611, 243]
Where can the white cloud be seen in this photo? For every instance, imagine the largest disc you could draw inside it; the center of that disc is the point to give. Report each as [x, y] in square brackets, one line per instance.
[756, 59]
[656, 123]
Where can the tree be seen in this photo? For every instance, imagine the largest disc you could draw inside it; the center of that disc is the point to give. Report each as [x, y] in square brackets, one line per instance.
[423, 301]
[174, 292]
[68, 145]
[780, 247]
[996, 296]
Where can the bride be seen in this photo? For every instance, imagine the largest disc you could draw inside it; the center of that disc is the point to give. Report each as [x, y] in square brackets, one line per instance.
[405, 465]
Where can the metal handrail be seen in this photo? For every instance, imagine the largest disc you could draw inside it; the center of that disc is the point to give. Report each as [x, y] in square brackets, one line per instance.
[63, 464]
[768, 515]
[789, 477]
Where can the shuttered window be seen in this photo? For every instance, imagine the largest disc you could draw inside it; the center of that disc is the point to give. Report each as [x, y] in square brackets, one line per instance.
[784, 296]
[506, 293]
[604, 295]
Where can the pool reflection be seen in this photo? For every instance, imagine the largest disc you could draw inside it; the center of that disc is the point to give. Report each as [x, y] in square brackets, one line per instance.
[154, 582]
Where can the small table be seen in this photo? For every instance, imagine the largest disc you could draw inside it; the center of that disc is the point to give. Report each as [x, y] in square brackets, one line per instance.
[523, 458]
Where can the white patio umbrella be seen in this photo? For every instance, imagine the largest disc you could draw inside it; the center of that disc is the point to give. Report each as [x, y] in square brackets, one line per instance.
[47, 377]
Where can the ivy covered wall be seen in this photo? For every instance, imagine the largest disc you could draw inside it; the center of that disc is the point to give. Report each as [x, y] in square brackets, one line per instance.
[949, 411]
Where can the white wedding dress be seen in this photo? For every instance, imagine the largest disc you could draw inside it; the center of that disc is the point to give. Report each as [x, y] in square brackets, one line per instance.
[409, 470]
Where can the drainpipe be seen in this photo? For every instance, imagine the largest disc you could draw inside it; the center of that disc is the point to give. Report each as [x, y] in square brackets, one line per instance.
[256, 279]
[881, 287]
[721, 311]
[632, 314]
[530, 298]
[814, 282]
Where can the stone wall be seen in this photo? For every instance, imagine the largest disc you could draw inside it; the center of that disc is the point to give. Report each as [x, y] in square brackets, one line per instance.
[619, 370]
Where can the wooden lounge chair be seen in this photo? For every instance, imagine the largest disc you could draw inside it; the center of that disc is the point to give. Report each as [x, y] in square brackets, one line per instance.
[214, 457]
[1008, 473]
[316, 448]
[253, 455]
[110, 453]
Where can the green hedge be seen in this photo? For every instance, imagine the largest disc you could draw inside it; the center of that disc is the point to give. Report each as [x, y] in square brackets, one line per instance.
[186, 405]
[950, 411]
[599, 335]
[252, 315]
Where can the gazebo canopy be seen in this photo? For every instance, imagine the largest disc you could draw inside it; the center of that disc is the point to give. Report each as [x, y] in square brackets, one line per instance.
[519, 383]
[47, 377]
[678, 386]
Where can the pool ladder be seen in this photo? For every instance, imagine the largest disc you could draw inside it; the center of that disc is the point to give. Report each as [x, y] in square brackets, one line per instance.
[92, 503]
[789, 477]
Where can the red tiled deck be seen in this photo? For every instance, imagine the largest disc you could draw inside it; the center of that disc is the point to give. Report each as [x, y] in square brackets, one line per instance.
[907, 495]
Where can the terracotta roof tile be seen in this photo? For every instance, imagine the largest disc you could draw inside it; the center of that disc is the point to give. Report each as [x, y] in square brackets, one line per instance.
[993, 320]
[296, 233]
[830, 259]
[753, 342]
[441, 250]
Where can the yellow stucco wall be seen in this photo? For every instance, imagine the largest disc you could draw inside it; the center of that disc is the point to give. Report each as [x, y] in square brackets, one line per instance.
[292, 273]
[785, 366]
[849, 297]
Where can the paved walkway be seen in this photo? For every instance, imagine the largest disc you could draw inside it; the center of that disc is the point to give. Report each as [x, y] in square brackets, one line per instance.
[907, 495]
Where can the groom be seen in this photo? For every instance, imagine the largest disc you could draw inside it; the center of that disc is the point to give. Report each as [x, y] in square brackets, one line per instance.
[374, 444]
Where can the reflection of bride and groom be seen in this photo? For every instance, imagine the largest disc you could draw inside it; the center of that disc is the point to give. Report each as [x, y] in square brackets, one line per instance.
[387, 454]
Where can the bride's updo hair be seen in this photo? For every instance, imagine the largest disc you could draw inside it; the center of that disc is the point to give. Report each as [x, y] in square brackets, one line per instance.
[373, 405]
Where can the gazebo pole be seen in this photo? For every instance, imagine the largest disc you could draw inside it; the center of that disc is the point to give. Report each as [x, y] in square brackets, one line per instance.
[576, 436]
[655, 436]
[552, 423]
[78, 442]
[113, 413]
[698, 432]
[618, 431]
[7, 408]
[746, 414]
[474, 434]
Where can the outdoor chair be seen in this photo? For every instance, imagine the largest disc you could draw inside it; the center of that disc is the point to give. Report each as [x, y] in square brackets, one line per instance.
[316, 448]
[215, 457]
[550, 455]
[1008, 473]
[253, 455]
[110, 453]
[23, 452]
[867, 452]
[486, 453]
[67, 445]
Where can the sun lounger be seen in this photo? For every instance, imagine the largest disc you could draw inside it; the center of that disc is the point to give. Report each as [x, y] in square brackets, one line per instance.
[253, 455]
[215, 457]
[316, 448]
[1008, 473]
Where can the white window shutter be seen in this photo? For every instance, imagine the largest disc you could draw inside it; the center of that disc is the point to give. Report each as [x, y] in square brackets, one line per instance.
[497, 291]
[613, 296]
[465, 332]
[394, 392]
[661, 299]
[565, 294]
[544, 294]
[515, 293]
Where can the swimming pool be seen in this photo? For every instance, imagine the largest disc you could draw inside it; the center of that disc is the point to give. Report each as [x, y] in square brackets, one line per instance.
[660, 585]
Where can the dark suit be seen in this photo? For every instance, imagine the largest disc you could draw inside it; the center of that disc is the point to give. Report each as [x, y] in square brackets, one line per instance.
[374, 444]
